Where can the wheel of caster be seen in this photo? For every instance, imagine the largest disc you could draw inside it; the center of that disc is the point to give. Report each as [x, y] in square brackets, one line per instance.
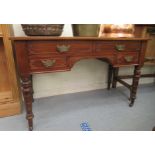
[131, 105]
[31, 128]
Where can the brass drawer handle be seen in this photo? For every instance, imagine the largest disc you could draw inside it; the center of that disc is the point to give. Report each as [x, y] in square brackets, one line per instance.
[63, 48]
[48, 63]
[128, 58]
[120, 47]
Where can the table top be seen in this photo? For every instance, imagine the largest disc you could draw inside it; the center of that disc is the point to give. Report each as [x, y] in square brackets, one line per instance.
[72, 38]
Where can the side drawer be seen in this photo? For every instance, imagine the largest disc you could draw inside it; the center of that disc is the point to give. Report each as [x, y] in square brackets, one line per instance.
[47, 64]
[127, 58]
[117, 46]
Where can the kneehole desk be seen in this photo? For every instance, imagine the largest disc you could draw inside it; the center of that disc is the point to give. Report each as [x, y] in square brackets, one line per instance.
[35, 55]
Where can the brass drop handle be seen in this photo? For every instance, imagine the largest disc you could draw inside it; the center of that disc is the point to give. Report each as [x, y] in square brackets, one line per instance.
[120, 47]
[48, 63]
[128, 58]
[63, 48]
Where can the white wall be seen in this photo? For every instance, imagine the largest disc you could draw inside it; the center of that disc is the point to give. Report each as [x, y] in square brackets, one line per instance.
[85, 75]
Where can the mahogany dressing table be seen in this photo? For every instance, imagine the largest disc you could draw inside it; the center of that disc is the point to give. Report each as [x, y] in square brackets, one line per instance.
[54, 54]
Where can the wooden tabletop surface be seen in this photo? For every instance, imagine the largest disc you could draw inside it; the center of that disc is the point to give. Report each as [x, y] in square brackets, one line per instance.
[71, 38]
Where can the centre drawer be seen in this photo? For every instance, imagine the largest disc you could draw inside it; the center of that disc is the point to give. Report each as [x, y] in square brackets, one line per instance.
[59, 48]
[117, 46]
[47, 63]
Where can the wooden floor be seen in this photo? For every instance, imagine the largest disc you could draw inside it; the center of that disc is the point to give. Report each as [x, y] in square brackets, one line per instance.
[5, 90]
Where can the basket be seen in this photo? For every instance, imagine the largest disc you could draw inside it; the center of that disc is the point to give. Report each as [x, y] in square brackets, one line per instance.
[42, 29]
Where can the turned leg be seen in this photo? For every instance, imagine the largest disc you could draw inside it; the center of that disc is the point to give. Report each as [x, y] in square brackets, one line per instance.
[28, 99]
[115, 74]
[110, 70]
[134, 86]
[32, 88]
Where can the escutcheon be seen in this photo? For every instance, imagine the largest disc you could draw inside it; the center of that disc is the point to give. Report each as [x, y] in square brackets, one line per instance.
[63, 48]
[48, 63]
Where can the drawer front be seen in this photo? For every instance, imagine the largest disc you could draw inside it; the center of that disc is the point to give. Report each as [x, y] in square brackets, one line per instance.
[80, 47]
[117, 46]
[42, 47]
[127, 58]
[47, 63]
[59, 48]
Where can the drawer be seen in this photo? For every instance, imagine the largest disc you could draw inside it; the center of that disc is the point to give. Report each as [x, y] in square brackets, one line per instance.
[80, 47]
[47, 63]
[60, 47]
[118, 46]
[42, 47]
[127, 58]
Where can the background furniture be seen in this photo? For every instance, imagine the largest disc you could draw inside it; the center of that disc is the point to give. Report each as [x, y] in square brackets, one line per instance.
[9, 93]
[53, 54]
[147, 30]
[141, 30]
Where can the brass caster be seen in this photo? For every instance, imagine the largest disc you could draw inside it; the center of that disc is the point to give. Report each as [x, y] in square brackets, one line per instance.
[31, 128]
[131, 104]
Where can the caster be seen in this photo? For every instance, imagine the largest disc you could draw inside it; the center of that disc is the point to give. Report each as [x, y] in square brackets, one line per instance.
[31, 128]
[131, 103]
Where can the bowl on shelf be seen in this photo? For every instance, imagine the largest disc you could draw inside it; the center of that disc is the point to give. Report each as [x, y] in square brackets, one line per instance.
[42, 29]
[86, 30]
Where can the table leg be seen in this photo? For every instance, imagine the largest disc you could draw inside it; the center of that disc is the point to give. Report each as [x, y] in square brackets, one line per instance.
[110, 70]
[28, 99]
[115, 74]
[134, 86]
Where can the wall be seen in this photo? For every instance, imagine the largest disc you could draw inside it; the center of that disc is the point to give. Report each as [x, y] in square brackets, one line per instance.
[85, 75]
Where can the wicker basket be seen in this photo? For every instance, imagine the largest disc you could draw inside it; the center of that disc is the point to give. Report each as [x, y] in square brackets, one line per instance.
[43, 29]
